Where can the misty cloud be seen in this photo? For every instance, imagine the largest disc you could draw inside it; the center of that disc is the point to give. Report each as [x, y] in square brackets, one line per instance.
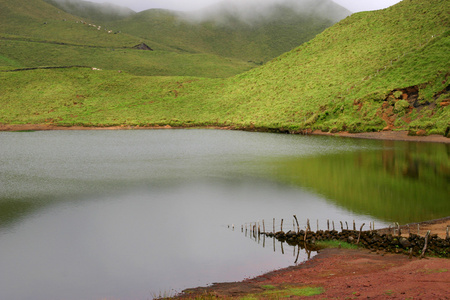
[88, 9]
[192, 5]
[253, 10]
[364, 5]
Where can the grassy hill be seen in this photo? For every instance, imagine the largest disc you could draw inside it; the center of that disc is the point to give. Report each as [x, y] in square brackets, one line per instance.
[231, 31]
[369, 71]
[383, 69]
[38, 33]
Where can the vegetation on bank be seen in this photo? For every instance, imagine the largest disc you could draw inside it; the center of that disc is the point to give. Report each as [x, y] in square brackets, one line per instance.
[385, 69]
[273, 292]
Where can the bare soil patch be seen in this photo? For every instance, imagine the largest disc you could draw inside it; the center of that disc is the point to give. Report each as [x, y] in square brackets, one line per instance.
[349, 274]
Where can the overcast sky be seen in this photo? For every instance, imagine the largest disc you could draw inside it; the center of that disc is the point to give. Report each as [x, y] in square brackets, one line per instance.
[138, 5]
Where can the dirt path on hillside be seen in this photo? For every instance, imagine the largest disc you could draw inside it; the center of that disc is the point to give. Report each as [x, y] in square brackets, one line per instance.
[382, 135]
[350, 274]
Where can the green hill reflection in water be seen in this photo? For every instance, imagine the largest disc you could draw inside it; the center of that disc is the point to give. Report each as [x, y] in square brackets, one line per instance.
[403, 182]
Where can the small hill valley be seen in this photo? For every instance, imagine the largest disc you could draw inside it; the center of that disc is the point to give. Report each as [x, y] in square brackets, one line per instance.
[295, 66]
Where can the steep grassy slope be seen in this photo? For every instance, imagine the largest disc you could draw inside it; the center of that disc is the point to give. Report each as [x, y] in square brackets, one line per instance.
[373, 70]
[342, 79]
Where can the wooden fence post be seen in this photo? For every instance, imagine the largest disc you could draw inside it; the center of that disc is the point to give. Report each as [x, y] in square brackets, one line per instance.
[359, 236]
[426, 244]
[298, 226]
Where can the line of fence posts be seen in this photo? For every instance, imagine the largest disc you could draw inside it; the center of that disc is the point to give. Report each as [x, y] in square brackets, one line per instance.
[255, 227]
[393, 229]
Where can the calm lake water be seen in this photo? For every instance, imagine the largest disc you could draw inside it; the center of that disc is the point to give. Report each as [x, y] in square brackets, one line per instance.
[136, 214]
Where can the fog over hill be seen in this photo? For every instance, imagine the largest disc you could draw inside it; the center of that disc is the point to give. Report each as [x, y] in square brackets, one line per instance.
[252, 11]
[182, 5]
[249, 31]
[97, 11]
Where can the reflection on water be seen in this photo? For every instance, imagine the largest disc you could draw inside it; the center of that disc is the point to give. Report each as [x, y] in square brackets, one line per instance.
[258, 236]
[402, 182]
[130, 214]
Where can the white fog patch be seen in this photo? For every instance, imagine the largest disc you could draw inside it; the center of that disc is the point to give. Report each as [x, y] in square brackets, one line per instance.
[183, 5]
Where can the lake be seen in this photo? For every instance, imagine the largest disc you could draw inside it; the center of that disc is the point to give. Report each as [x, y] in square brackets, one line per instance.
[141, 213]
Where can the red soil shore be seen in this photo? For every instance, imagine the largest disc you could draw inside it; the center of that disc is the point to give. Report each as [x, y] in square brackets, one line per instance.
[383, 135]
[350, 274]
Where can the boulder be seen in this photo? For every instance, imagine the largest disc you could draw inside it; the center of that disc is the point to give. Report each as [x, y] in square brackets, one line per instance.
[405, 243]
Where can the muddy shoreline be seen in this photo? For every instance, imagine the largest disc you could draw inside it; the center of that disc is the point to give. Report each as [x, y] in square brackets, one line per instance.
[348, 274]
[382, 135]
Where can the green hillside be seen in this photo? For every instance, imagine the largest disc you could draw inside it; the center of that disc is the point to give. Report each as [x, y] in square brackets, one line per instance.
[38, 33]
[34, 33]
[383, 69]
[342, 80]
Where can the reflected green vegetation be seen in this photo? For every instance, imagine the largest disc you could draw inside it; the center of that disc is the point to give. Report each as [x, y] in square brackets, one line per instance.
[404, 182]
[12, 210]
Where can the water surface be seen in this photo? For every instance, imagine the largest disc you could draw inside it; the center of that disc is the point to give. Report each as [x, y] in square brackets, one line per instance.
[132, 214]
